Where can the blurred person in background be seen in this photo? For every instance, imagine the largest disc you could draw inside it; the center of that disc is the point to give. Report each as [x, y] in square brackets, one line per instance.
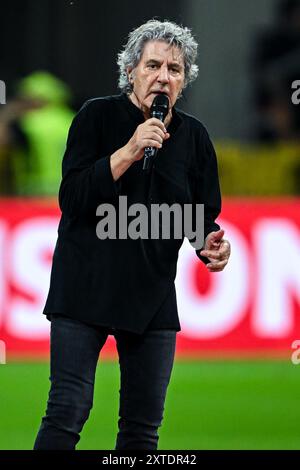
[12, 140]
[276, 65]
[33, 126]
[125, 287]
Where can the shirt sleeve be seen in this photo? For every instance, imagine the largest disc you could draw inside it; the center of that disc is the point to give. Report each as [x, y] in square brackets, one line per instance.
[208, 187]
[87, 179]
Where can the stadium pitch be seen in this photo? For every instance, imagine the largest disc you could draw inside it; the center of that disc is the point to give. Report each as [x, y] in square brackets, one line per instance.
[210, 405]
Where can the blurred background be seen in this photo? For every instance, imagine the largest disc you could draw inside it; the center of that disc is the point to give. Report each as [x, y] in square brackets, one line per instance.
[237, 371]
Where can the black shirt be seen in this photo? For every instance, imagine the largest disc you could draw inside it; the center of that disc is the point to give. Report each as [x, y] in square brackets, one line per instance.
[124, 283]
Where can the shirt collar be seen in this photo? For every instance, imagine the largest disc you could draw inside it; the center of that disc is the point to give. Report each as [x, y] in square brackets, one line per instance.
[137, 114]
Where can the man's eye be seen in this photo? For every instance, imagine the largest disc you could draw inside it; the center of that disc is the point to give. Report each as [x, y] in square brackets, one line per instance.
[152, 66]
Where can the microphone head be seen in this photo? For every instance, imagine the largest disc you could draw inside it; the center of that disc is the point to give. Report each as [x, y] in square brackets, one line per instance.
[160, 104]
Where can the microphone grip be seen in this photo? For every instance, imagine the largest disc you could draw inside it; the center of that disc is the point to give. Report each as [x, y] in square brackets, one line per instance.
[149, 154]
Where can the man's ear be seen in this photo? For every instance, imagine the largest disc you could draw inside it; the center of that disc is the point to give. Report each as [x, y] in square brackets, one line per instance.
[130, 75]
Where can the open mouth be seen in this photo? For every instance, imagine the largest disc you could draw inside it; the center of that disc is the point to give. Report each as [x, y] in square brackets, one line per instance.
[159, 92]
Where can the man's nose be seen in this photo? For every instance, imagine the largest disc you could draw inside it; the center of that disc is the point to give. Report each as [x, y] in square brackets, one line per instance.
[163, 76]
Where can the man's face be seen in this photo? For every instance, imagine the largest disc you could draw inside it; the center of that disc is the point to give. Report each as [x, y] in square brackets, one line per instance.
[161, 69]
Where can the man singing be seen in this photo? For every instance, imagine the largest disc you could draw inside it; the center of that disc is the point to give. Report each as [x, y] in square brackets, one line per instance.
[123, 286]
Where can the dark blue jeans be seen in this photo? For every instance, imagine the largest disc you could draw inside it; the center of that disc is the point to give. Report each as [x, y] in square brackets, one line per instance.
[145, 363]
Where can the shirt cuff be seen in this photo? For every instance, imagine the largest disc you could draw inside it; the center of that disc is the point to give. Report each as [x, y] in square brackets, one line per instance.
[103, 182]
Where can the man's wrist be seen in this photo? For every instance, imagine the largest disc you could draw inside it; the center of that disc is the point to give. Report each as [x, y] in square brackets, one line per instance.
[119, 163]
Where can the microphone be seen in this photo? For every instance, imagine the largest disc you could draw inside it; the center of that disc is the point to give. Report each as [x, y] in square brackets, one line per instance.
[159, 109]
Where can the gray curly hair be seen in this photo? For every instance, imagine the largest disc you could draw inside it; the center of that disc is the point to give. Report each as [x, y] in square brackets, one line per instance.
[156, 30]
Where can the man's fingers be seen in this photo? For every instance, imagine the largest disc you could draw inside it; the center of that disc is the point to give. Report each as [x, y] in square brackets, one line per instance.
[222, 247]
[157, 122]
[224, 252]
[214, 239]
[216, 236]
[225, 249]
[217, 251]
[212, 254]
[215, 267]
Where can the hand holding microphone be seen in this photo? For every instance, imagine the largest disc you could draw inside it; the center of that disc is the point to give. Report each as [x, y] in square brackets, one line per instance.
[158, 110]
[150, 135]
[145, 142]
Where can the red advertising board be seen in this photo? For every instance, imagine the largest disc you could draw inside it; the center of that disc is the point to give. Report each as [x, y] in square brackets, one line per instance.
[252, 307]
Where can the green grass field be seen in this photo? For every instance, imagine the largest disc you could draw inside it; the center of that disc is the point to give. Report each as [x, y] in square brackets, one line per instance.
[210, 405]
